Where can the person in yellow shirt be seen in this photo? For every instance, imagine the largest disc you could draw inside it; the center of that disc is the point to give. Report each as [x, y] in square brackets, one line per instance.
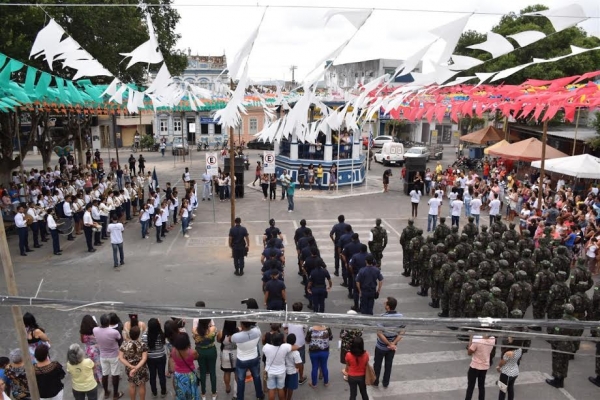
[319, 175]
[439, 168]
[81, 370]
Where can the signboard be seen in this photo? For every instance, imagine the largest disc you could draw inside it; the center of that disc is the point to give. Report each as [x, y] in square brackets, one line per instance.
[207, 120]
[456, 134]
[212, 164]
[434, 133]
[269, 162]
[192, 127]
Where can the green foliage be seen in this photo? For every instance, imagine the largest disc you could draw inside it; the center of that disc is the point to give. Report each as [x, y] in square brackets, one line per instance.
[103, 31]
[472, 123]
[595, 143]
[556, 44]
[147, 141]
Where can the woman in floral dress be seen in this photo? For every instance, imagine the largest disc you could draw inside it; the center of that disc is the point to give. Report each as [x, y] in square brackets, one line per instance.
[91, 346]
[134, 354]
[346, 337]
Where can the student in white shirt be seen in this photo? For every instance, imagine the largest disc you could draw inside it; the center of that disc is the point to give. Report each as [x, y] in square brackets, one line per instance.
[451, 197]
[23, 230]
[115, 229]
[51, 224]
[145, 219]
[158, 224]
[476, 208]
[68, 213]
[415, 198]
[435, 203]
[456, 206]
[494, 208]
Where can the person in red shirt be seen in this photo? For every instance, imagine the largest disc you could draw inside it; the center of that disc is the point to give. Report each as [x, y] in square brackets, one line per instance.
[356, 368]
[486, 170]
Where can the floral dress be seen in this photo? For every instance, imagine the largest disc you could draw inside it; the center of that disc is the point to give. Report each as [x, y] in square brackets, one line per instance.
[347, 336]
[132, 352]
[93, 353]
[18, 382]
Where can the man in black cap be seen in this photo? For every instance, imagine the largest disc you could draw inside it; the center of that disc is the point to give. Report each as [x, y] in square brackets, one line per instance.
[239, 242]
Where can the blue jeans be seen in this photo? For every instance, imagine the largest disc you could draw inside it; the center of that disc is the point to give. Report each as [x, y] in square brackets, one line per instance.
[240, 373]
[318, 359]
[184, 224]
[476, 216]
[144, 225]
[118, 247]
[467, 209]
[430, 219]
[290, 202]
[319, 183]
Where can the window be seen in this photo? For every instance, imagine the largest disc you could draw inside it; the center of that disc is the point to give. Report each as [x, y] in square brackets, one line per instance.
[253, 126]
[177, 126]
[163, 127]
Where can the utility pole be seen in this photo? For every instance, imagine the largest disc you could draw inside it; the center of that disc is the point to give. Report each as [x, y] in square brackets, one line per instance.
[232, 175]
[543, 162]
[11, 283]
[293, 68]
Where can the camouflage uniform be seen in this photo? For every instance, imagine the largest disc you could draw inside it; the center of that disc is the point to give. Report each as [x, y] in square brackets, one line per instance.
[471, 230]
[581, 275]
[495, 308]
[441, 231]
[427, 250]
[453, 238]
[526, 264]
[468, 289]
[541, 290]
[596, 332]
[435, 272]
[497, 244]
[407, 234]
[483, 292]
[558, 297]
[503, 279]
[515, 256]
[454, 288]
[565, 260]
[498, 226]
[447, 269]
[475, 257]
[415, 247]
[519, 295]
[485, 237]
[560, 361]
[379, 242]
[463, 248]
[582, 306]
[511, 234]
[526, 242]
[543, 252]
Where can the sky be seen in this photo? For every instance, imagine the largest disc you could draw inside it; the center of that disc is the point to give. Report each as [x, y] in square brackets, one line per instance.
[299, 35]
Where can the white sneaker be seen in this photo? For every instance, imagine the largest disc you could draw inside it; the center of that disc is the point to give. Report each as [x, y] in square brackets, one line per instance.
[189, 228]
[214, 397]
[186, 236]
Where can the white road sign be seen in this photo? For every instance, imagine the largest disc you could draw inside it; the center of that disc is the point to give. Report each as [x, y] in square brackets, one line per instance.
[212, 163]
[269, 162]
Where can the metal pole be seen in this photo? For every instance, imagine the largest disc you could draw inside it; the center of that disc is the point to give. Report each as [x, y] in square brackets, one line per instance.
[11, 284]
[232, 175]
[18, 128]
[338, 163]
[543, 164]
[80, 150]
[115, 138]
[576, 129]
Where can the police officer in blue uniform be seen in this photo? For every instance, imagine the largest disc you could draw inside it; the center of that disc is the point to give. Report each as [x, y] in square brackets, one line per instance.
[368, 283]
[348, 252]
[239, 242]
[337, 231]
[317, 287]
[357, 262]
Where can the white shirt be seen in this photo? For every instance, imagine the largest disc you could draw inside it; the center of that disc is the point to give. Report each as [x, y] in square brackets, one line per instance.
[275, 363]
[50, 223]
[434, 205]
[415, 196]
[95, 213]
[186, 176]
[87, 218]
[32, 214]
[476, 206]
[67, 209]
[495, 207]
[299, 331]
[20, 220]
[291, 359]
[591, 251]
[116, 232]
[145, 216]
[457, 207]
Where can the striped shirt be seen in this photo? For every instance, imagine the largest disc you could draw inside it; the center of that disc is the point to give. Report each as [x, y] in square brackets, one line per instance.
[390, 335]
[159, 347]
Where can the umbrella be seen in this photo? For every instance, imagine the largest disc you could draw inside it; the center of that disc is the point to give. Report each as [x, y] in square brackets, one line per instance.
[582, 166]
[495, 146]
[482, 136]
[526, 150]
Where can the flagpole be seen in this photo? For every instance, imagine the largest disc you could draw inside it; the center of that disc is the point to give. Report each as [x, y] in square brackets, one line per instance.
[338, 162]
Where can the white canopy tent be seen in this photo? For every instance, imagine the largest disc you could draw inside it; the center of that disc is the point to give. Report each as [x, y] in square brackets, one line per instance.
[582, 166]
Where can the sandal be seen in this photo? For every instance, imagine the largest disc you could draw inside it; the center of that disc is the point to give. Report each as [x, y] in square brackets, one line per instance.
[118, 396]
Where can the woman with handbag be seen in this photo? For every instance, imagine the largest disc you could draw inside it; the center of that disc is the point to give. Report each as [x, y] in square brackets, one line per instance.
[509, 372]
[357, 363]
[181, 363]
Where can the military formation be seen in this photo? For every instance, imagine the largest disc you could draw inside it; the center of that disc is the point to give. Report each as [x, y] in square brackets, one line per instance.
[501, 273]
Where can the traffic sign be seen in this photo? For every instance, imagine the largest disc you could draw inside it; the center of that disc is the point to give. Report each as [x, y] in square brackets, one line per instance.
[269, 162]
[212, 164]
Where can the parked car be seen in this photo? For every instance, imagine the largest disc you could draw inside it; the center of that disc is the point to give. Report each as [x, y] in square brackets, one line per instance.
[390, 154]
[260, 145]
[180, 146]
[418, 152]
[378, 141]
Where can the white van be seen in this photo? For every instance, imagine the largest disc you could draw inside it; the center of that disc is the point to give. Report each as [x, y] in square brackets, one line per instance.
[391, 154]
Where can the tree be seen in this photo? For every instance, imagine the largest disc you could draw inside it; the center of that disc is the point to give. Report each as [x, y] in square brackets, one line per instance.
[595, 142]
[93, 28]
[556, 44]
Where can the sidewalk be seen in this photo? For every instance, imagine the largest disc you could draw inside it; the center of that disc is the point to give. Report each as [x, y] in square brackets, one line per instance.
[373, 185]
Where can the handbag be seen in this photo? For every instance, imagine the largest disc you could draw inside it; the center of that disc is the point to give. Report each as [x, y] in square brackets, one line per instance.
[369, 374]
[501, 385]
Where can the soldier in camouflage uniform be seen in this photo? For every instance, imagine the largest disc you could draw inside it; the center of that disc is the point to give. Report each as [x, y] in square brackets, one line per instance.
[526, 242]
[581, 274]
[471, 230]
[560, 356]
[415, 247]
[520, 293]
[515, 256]
[463, 248]
[435, 272]
[526, 264]
[441, 231]
[407, 234]
[582, 306]
[559, 296]
[454, 287]
[498, 226]
[497, 244]
[543, 252]
[484, 291]
[378, 241]
[560, 262]
[476, 256]
[495, 308]
[468, 289]
[596, 332]
[447, 269]
[485, 237]
[503, 279]
[455, 237]
[486, 270]
[427, 250]
[541, 290]
[511, 234]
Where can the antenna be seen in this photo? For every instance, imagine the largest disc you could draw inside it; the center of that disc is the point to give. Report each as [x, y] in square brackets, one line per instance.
[293, 68]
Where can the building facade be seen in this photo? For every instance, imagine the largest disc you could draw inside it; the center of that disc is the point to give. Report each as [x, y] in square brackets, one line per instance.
[362, 72]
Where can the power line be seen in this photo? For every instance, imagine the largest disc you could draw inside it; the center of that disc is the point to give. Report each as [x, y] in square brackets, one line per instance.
[291, 6]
